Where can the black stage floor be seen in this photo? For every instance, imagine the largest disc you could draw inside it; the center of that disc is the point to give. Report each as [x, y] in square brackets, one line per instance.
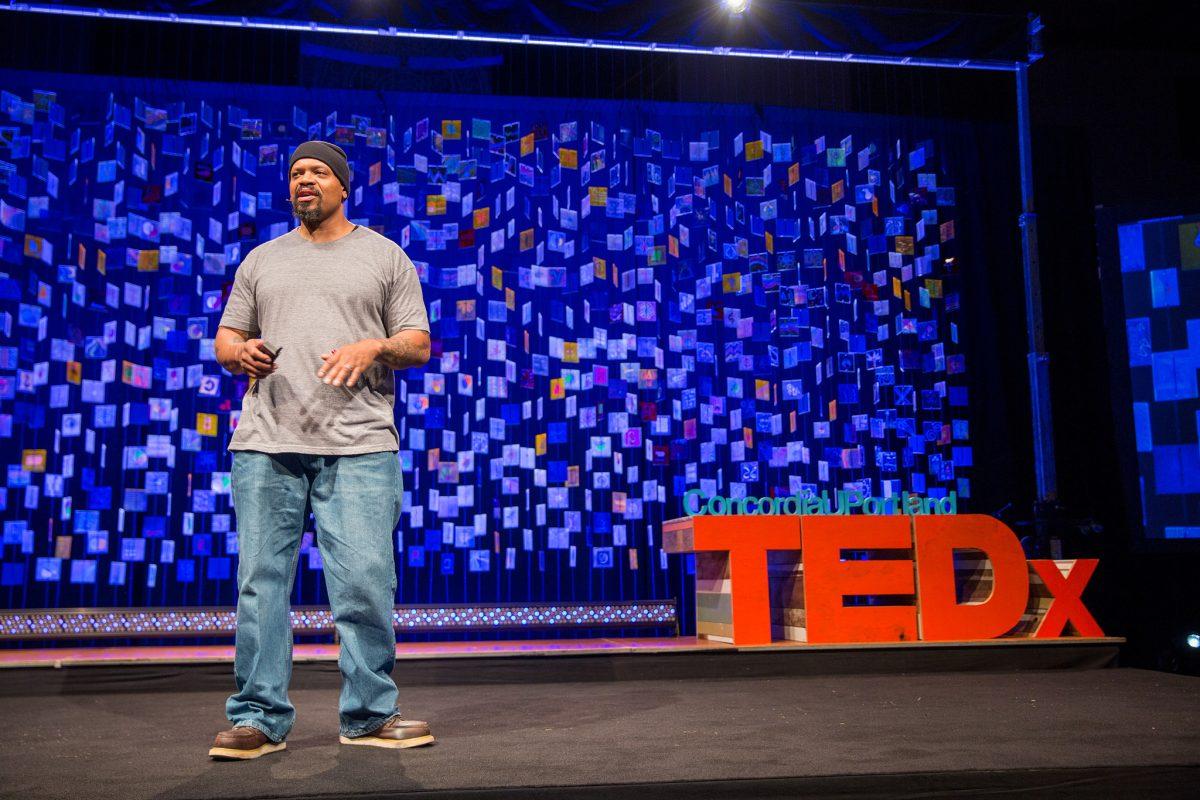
[134, 733]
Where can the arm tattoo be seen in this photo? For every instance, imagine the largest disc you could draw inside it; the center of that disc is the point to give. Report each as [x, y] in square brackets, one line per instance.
[404, 350]
[239, 336]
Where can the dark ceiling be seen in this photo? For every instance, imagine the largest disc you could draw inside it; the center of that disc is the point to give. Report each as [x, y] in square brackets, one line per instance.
[1070, 24]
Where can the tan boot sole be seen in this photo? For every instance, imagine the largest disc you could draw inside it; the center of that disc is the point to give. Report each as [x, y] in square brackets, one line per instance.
[230, 754]
[375, 741]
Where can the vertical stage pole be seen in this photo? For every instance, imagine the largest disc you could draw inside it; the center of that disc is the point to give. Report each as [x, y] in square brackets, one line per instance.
[1038, 359]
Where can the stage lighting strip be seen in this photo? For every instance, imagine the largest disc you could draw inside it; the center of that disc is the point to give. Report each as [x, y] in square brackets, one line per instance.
[100, 622]
[300, 26]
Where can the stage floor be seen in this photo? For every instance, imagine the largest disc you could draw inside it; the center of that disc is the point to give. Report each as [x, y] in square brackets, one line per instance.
[129, 734]
[34, 656]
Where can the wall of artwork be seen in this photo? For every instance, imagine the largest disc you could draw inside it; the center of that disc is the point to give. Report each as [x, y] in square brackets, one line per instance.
[628, 300]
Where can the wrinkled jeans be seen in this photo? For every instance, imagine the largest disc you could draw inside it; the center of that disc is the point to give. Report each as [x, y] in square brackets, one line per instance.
[356, 501]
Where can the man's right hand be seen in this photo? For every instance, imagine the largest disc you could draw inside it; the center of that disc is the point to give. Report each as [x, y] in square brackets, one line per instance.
[254, 359]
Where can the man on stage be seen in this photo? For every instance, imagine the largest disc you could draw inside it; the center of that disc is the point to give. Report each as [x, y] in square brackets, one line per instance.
[319, 318]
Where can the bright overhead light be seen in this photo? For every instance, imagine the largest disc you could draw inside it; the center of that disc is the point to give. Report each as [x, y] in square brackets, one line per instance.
[300, 26]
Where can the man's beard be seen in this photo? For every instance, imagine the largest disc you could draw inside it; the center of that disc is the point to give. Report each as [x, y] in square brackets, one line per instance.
[309, 212]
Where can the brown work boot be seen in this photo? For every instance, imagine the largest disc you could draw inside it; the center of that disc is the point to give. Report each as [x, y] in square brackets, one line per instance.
[241, 743]
[395, 733]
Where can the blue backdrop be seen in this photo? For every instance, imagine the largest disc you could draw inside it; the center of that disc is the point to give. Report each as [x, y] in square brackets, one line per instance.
[628, 300]
[1160, 281]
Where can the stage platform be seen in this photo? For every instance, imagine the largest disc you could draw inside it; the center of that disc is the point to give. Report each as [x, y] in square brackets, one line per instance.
[624, 718]
[639, 656]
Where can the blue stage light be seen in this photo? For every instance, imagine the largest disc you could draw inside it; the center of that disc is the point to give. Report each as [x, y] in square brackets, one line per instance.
[92, 623]
[1193, 641]
[736, 6]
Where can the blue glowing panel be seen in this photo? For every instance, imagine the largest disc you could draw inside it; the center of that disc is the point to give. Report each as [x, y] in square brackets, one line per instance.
[1164, 287]
[1160, 263]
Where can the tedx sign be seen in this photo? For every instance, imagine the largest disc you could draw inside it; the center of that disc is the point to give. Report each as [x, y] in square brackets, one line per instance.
[829, 579]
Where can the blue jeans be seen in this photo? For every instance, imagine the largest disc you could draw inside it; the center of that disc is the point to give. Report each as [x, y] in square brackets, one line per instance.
[356, 501]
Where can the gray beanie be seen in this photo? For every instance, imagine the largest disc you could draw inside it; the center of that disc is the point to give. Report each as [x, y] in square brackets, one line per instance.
[327, 153]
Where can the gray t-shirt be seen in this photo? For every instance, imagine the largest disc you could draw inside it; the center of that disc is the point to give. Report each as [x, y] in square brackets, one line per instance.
[307, 298]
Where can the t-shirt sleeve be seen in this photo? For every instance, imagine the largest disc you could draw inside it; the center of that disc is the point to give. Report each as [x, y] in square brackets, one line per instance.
[241, 312]
[405, 308]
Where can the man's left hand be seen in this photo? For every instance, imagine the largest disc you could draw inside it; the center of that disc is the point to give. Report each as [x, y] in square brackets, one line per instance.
[347, 364]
